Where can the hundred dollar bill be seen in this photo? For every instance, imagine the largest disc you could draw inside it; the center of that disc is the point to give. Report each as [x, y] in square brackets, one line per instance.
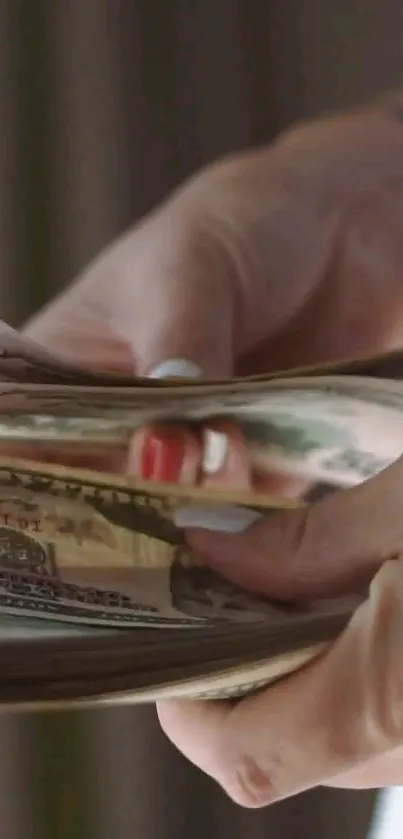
[231, 683]
[30, 629]
[59, 669]
[331, 431]
[106, 550]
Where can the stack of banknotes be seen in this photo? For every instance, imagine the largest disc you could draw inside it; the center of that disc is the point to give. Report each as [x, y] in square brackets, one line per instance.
[101, 601]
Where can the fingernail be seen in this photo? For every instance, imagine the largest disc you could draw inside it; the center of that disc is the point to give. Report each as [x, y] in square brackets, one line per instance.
[222, 519]
[215, 450]
[161, 458]
[178, 368]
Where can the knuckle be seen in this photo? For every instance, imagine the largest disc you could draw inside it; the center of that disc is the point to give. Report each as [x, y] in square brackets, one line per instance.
[249, 778]
[250, 785]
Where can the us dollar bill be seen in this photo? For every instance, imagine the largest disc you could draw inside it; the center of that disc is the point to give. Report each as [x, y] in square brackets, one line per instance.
[328, 431]
[109, 551]
[54, 667]
[230, 683]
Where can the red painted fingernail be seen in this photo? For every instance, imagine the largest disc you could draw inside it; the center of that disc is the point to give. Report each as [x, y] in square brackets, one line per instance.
[162, 458]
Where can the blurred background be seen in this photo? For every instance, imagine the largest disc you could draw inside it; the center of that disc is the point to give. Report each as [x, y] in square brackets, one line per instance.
[105, 105]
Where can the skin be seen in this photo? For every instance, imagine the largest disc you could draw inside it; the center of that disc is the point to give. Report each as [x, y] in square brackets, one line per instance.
[300, 247]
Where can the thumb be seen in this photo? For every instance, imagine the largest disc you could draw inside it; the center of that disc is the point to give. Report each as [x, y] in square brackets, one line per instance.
[161, 300]
[327, 549]
[174, 303]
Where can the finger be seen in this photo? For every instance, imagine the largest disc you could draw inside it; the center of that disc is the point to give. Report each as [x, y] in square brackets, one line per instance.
[160, 294]
[385, 770]
[189, 309]
[170, 453]
[215, 455]
[324, 549]
[343, 710]
[167, 454]
[228, 462]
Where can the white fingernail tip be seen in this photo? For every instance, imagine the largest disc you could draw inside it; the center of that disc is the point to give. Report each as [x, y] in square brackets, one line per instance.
[178, 368]
[223, 519]
[215, 450]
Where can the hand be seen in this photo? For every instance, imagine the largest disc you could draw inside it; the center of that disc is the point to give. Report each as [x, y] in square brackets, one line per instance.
[339, 721]
[283, 256]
